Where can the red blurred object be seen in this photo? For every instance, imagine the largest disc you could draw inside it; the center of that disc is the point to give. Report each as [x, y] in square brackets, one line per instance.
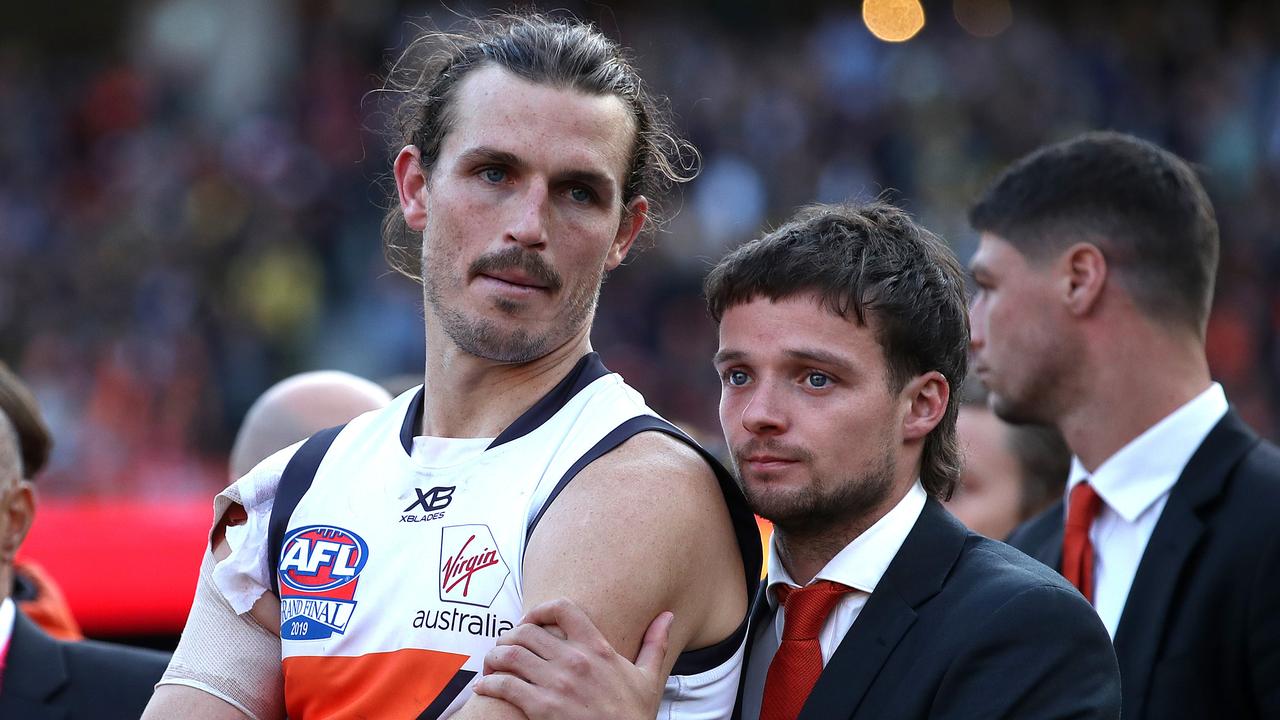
[126, 566]
[49, 608]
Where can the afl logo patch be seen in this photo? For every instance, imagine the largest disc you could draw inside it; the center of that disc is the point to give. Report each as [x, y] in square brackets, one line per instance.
[320, 558]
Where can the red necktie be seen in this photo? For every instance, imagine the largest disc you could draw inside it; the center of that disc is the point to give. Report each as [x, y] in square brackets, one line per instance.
[1077, 550]
[798, 662]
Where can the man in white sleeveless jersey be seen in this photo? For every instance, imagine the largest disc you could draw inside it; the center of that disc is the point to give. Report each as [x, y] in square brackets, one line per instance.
[389, 554]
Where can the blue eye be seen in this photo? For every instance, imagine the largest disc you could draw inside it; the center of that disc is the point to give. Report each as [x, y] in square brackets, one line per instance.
[736, 377]
[580, 195]
[493, 175]
[818, 380]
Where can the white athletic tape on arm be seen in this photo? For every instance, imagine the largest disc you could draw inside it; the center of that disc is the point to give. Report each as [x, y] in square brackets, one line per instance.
[228, 655]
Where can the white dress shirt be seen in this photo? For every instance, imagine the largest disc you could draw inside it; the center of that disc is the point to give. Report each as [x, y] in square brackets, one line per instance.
[7, 612]
[1134, 485]
[860, 565]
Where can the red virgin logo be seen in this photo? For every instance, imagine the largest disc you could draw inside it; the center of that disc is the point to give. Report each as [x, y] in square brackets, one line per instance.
[472, 570]
[460, 567]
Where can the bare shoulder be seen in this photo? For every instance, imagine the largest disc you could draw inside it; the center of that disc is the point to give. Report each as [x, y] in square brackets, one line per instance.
[643, 529]
[656, 458]
[657, 483]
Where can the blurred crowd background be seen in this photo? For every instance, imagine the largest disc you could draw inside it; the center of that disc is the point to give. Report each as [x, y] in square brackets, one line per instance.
[190, 191]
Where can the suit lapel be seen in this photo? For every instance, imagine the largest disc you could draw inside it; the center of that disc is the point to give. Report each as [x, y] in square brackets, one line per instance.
[1142, 623]
[759, 616]
[34, 671]
[916, 574]
[759, 610]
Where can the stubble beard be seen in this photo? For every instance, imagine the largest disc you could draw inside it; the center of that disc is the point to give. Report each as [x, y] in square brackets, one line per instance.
[1039, 387]
[488, 338]
[1034, 403]
[824, 504]
[1013, 411]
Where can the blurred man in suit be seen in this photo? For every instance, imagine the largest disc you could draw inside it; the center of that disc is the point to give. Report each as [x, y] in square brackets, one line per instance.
[42, 678]
[1095, 276]
[1009, 474]
[841, 336]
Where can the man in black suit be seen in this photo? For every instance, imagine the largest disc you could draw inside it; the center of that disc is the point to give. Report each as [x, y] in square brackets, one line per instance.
[1095, 273]
[42, 678]
[842, 334]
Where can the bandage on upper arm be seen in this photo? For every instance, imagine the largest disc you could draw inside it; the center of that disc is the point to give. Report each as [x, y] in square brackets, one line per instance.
[230, 647]
[227, 655]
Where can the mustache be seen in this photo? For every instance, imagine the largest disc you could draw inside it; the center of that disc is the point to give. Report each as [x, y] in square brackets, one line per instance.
[530, 263]
[771, 446]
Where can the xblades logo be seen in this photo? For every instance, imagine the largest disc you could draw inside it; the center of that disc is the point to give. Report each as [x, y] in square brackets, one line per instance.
[437, 498]
[433, 502]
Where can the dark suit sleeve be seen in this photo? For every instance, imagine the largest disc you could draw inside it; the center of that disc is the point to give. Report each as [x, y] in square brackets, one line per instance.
[1021, 663]
[112, 681]
[1264, 632]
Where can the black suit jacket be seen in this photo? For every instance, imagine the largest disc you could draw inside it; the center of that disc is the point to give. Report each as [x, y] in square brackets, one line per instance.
[965, 627]
[1199, 636]
[48, 679]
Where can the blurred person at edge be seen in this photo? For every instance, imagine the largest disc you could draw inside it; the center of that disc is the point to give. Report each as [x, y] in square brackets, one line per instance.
[1095, 273]
[42, 677]
[38, 595]
[841, 334]
[383, 558]
[1008, 473]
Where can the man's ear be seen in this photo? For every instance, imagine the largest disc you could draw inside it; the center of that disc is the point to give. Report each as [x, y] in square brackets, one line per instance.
[19, 509]
[411, 185]
[926, 397]
[1085, 276]
[634, 216]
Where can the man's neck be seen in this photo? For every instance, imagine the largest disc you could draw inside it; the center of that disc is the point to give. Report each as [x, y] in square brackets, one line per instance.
[1126, 391]
[805, 552]
[469, 396]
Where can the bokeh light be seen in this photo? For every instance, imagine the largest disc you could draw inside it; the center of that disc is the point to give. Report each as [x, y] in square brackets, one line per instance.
[983, 18]
[893, 20]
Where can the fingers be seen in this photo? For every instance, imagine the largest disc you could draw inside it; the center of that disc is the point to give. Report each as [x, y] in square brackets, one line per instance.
[653, 649]
[517, 660]
[575, 623]
[514, 690]
[540, 641]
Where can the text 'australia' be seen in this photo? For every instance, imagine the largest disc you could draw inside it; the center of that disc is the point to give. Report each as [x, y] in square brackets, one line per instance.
[486, 624]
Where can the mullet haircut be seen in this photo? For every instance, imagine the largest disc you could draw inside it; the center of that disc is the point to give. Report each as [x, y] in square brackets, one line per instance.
[563, 53]
[873, 265]
[1141, 205]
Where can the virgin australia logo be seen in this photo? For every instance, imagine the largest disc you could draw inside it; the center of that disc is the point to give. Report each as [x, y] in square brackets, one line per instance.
[472, 570]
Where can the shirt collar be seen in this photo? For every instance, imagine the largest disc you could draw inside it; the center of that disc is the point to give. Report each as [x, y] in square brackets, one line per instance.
[1146, 468]
[7, 612]
[861, 563]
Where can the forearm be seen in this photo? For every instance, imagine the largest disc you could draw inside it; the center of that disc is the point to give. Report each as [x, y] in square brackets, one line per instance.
[573, 673]
[190, 703]
[480, 707]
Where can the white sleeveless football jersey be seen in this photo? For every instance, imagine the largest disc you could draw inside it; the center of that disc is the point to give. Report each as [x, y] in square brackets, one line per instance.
[396, 578]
